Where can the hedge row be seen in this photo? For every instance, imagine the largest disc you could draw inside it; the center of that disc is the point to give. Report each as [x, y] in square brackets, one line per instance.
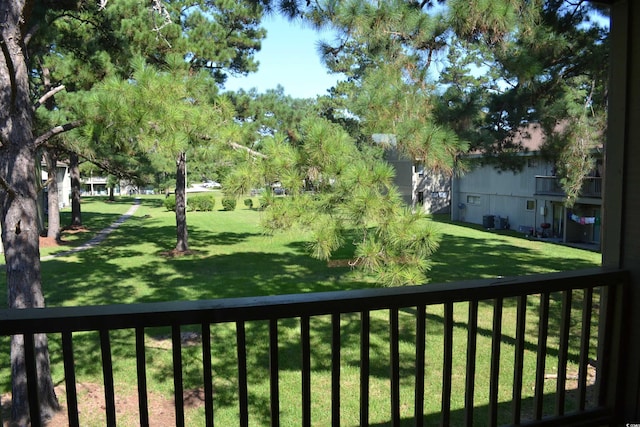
[202, 203]
[206, 203]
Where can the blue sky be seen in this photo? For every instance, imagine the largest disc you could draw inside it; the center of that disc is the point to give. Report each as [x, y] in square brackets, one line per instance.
[289, 57]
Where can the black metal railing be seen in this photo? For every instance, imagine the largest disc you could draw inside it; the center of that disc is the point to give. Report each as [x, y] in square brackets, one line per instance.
[550, 186]
[577, 319]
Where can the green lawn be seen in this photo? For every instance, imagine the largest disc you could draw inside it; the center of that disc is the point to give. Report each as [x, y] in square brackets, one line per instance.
[232, 257]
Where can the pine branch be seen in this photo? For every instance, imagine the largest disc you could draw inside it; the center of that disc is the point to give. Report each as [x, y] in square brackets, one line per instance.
[108, 168]
[45, 184]
[42, 139]
[29, 34]
[47, 95]
[237, 146]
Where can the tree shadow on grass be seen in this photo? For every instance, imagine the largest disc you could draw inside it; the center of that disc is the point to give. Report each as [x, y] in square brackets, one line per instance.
[480, 413]
[465, 258]
[109, 273]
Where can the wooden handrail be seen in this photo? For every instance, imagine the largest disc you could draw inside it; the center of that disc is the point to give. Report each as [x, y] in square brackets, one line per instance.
[238, 311]
[123, 316]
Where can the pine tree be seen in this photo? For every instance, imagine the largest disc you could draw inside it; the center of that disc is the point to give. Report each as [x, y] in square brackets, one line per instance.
[49, 46]
[158, 116]
[353, 200]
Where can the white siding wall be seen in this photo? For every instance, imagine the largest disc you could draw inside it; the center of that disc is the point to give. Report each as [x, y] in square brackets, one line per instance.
[435, 187]
[486, 191]
[436, 191]
[64, 186]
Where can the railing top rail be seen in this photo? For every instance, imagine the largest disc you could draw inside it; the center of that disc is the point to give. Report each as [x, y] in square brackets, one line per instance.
[87, 318]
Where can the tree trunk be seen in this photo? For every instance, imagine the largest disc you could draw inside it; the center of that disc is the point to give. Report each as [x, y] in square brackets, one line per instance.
[182, 244]
[20, 240]
[74, 171]
[18, 211]
[40, 201]
[53, 203]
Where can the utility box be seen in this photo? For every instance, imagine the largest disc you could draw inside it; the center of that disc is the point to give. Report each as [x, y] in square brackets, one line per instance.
[488, 221]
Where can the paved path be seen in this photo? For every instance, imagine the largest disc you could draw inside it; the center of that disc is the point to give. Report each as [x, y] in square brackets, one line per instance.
[102, 234]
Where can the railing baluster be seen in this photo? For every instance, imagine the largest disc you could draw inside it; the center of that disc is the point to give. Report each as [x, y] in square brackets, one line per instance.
[207, 373]
[32, 379]
[107, 372]
[494, 382]
[365, 328]
[306, 371]
[447, 363]
[394, 366]
[335, 369]
[585, 337]
[178, 392]
[611, 341]
[421, 336]
[563, 351]
[518, 365]
[141, 368]
[274, 369]
[543, 331]
[243, 395]
[470, 381]
[70, 378]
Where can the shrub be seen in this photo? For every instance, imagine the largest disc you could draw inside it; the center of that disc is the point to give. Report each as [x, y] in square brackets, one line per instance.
[203, 203]
[170, 203]
[248, 203]
[229, 203]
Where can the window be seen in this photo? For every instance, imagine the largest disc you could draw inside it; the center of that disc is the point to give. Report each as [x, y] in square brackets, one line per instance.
[531, 205]
[473, 200]
[532, 163]
[420, 197]
[419, 169]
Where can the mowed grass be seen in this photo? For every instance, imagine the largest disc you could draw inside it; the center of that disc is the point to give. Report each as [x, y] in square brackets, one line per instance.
[233, 258]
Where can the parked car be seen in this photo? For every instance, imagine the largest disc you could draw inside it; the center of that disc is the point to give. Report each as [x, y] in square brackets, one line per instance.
[212, 184]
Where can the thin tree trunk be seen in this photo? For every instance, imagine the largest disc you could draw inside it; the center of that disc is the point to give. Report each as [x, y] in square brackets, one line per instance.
[40, 201]
[53, 205]
[51, 158]
[74, 172]
[18, 211]
[182, 244]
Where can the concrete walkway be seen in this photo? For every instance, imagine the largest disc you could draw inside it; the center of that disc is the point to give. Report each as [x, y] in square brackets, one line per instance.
[102, 234]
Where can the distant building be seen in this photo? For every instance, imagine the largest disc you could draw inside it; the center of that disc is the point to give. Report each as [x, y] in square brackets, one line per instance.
[420, 188]
[530, 201]
[64, 183]
[98, 186]
[94, 185]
